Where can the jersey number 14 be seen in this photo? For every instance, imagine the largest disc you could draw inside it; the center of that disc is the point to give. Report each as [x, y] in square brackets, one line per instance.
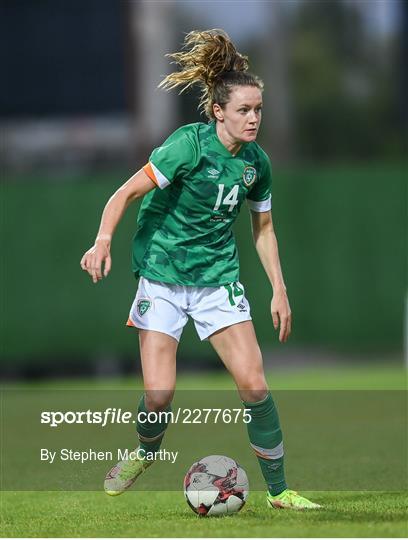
[231, 199]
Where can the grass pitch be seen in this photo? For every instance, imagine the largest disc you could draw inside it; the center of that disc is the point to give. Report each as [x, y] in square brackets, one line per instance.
[166, 514]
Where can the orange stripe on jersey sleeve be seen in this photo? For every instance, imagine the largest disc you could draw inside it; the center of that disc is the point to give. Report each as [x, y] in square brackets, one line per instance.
[149, 171]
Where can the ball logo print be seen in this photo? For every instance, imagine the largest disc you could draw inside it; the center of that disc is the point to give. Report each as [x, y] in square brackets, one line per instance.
[216, 485]
[249, 175]
[143, 306]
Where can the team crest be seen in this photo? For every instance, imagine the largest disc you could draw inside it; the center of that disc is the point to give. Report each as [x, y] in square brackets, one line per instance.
[249, 175]
[143, 306]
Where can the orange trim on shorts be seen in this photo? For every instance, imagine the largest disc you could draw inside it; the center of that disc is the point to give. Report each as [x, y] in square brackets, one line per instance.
[129, 323]
[149, 171]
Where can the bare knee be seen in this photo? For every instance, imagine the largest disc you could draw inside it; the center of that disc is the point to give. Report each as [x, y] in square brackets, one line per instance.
[158, 400]
[254, 389]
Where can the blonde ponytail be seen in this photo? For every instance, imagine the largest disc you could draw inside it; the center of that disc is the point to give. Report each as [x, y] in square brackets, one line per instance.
[210, 60]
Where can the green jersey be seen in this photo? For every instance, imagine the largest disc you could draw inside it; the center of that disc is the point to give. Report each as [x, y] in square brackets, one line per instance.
[184, 232]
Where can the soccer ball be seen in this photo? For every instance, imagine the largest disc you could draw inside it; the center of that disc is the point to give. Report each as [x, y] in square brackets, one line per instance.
[216, 485]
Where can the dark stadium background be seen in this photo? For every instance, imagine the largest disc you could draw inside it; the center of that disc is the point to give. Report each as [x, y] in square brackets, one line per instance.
[80, 113]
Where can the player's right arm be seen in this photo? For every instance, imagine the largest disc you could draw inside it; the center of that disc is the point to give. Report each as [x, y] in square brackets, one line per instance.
[137, 186]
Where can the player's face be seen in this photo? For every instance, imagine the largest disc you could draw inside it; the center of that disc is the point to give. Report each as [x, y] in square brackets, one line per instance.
[242, 114]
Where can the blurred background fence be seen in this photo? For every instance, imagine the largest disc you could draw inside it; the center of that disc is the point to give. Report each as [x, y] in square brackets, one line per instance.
[80, 112]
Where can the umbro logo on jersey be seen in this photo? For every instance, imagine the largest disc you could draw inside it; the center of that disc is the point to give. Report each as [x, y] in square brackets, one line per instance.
[213, 173]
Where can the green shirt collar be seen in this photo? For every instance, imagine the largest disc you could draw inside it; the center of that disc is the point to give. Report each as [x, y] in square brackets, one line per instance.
[222, 149]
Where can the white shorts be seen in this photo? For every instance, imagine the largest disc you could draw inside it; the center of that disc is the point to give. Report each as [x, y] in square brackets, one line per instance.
[165, 307]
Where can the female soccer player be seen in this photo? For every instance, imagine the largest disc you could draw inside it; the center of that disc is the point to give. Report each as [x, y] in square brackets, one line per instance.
[185, 257]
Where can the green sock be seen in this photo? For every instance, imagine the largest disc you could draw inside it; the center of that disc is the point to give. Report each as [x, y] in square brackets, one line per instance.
[150, 433]
[265, 437]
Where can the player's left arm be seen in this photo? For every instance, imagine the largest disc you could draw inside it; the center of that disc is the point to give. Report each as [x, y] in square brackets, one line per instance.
[267, 247]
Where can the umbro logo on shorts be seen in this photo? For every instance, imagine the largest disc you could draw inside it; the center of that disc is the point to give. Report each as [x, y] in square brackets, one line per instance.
[143, 306]
[241, 307]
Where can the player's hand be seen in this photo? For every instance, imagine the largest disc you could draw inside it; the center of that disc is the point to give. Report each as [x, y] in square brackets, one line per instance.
[95, 257]
[282, 314]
